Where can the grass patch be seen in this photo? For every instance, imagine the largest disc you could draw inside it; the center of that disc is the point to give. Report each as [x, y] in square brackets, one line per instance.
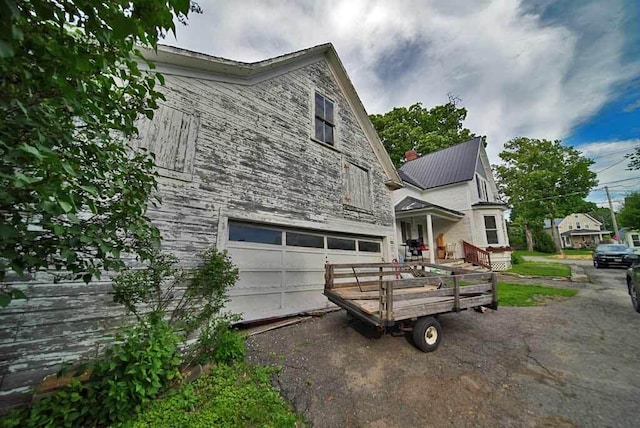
[572, 252]
[529, 295]
[237, 395]
[532, 253]
[541, 269]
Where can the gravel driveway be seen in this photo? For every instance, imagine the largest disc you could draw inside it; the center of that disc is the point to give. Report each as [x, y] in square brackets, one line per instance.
[568, 363]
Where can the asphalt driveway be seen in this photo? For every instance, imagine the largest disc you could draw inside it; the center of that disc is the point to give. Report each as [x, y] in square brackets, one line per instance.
[568, 363]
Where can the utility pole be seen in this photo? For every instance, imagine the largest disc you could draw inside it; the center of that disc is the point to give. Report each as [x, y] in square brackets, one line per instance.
[613, 215]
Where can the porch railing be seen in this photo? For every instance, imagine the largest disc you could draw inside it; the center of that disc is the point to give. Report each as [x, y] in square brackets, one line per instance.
[476, 256]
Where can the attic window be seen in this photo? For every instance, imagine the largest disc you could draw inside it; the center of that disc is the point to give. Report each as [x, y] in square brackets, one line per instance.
[324, 123]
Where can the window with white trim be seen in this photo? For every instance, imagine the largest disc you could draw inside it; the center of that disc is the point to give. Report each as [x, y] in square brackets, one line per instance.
[324, 123]
[481, 186]
[578, 225]
[491, 229]
[635, 240]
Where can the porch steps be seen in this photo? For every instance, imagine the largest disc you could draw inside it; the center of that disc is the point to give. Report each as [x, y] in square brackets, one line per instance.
[461, 264]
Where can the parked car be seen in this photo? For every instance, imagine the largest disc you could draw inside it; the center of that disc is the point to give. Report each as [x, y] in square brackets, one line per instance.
[613, 254]
[633, 283]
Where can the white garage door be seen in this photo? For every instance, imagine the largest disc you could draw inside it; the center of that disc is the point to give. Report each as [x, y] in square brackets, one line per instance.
[282, 270]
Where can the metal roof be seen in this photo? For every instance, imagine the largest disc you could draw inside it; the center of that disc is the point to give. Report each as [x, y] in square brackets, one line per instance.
[447, 166]
[410, 204]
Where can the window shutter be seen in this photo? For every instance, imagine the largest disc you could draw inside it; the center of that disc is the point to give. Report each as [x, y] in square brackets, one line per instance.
[358, 187]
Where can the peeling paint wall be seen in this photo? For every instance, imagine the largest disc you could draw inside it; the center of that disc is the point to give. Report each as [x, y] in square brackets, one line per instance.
[224, 150]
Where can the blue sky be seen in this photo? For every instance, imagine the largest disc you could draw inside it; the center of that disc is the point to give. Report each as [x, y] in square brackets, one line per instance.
[567, 69]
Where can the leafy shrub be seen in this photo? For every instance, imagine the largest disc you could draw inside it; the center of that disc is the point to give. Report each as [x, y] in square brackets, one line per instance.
[145, 362]
[543, 242]
[517, 237]
[236, 395]
[516, 259]
[136, 370]
[131, 373]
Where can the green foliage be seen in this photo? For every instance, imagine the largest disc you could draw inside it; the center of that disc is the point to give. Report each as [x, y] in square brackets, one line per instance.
[218, 342]
[529, 295]
[73, 195]
[543, 242]
[131, 373]
[197, 299]
[542, 179]
[541, 269]
[237, 395]
[603, 215]
[634, 159]
[421, 129]
[629, 215]
[516, 259]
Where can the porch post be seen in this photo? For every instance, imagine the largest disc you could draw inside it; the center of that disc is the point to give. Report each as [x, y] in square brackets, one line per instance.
[432, 248]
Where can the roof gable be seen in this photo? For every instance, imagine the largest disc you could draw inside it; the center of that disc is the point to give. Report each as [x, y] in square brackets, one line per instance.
[215, 68]
[452, 165]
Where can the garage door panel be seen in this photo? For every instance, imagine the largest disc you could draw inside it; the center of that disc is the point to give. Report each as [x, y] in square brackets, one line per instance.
[259, 257]
[306, 300]
[284, 279]
[342, 257]
[250, 306]
[300, 259]
[295, 279]
[259, 280]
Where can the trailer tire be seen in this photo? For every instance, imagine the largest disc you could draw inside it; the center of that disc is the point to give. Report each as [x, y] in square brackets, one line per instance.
[427, 334]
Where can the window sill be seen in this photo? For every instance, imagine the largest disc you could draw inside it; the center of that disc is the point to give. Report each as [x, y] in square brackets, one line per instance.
[358, 209]
[328, 146]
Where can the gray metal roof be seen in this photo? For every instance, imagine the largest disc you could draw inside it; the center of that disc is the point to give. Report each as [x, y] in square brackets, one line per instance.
[410, 203]
[447, 166]
[556, 222]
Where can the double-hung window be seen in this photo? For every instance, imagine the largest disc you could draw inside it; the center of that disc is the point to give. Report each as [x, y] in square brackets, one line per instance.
[491, 228]
[324, 122]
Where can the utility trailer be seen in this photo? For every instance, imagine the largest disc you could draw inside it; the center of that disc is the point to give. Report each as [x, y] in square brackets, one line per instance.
[408, 297]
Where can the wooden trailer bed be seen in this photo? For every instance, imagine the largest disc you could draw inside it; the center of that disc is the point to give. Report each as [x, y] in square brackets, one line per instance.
[390, 294]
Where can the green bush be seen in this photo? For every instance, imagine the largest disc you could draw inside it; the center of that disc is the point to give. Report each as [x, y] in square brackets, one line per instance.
[144, 363]
[543, 242]
[236, 395]
[218, 342]
[131, 373]
[516, 259]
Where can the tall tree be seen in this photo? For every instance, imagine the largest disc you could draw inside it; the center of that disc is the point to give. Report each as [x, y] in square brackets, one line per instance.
[73, 195]
[629, 215]
[542, 179]
[603, 215]
[421, 129]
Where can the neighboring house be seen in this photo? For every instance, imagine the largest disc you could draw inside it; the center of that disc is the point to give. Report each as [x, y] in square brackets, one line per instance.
[450, 197]
[276, 162]
[577, 230]
[631, 238]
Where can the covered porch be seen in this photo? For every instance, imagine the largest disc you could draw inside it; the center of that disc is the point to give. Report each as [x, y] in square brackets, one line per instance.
[433, 229]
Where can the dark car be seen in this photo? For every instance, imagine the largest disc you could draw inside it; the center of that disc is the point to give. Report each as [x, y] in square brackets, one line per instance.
[613, 254]
[633, 282]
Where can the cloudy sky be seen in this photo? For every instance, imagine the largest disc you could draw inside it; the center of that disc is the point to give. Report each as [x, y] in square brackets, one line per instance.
[567, 69]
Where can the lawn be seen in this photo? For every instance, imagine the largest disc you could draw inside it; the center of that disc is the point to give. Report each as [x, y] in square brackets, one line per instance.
[541, 269]
[530, 295]
[239, 395]
[531, 253]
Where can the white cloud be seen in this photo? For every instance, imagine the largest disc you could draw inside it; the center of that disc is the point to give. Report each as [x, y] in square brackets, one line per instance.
[611, 166]
[516, 73]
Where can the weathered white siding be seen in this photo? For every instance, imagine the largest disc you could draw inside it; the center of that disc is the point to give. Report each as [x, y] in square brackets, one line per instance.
[225, 151]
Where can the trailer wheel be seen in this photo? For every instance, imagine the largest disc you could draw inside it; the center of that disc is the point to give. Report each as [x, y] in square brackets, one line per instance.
[426, 334]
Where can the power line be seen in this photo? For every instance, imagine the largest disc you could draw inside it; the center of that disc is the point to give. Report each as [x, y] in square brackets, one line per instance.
[611, 166]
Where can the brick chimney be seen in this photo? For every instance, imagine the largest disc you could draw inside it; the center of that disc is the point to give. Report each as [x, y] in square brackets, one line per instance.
[411, 155]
